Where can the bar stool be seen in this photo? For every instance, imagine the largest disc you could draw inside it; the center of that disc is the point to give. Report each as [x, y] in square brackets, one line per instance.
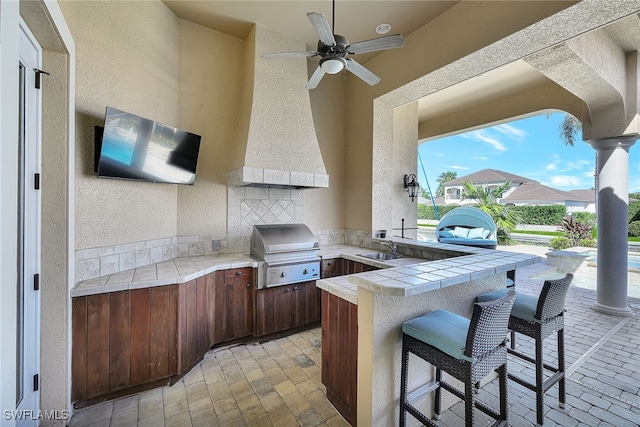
[538, 318]
[466, 349]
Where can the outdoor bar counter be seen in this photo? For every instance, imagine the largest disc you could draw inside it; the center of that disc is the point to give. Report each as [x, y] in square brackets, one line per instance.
[431, 276]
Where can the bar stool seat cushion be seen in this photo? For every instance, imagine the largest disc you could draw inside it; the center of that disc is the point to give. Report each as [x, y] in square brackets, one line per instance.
[524, 307]
[441, 329]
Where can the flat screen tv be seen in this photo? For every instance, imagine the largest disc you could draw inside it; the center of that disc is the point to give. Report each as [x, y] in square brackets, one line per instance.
[140, 149]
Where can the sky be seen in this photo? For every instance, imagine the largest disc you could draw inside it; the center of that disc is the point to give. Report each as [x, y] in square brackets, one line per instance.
[529, 147]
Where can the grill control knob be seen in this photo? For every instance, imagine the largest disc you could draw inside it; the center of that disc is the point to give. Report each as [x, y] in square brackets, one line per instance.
[305, 271]
[283, 274]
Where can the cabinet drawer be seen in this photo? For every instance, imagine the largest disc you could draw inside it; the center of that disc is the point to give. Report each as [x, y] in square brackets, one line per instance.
[238, 273]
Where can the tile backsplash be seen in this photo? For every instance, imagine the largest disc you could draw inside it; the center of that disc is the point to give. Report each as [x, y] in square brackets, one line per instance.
[248, 206]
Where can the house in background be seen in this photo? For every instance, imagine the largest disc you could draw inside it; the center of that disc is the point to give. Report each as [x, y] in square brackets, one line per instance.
[523, 192]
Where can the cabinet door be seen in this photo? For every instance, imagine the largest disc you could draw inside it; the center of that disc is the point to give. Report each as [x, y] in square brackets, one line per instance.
[273, 310]
[306, 303]
[216, 308]
[239, 305]
[331, 268]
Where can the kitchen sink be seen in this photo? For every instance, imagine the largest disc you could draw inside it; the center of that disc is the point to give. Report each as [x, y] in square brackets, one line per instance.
[381, 256]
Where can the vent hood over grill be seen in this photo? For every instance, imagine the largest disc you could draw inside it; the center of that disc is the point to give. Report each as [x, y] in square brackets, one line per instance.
[276, 141]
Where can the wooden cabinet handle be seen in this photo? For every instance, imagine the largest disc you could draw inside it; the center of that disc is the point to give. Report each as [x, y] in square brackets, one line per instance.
[287, 290]
[238, 273]
[248, 285]
[330, 263]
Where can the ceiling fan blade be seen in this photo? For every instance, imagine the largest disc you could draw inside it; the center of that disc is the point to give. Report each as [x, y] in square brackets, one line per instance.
[362, 72]
[381, 43]
[315, 78]
[289, 54]
[321, 25]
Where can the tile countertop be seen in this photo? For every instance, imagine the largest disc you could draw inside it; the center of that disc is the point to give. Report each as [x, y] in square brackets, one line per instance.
[412, 276]
[400, 277]
[177, 270]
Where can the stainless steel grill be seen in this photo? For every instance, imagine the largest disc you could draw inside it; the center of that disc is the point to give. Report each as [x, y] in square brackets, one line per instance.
[289, 253]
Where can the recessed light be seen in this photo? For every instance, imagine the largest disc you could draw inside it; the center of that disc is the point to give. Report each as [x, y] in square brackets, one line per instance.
[383, 28]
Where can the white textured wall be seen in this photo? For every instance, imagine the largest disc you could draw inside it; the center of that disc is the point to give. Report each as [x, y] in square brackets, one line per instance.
[127, 58]
[405, 161]
[55, 313]
[324, 207]
[211, 71]
[281, 131]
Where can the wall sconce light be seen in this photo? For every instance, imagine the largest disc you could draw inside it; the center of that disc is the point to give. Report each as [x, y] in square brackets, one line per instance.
[411, 186]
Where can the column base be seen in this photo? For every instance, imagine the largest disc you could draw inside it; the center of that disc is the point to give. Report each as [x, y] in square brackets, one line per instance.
[614, 311]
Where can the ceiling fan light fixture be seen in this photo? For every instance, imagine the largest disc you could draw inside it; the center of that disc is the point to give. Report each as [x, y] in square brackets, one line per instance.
[332, 65]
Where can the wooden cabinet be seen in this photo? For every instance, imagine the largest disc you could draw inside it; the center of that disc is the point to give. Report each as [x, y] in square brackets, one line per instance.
[335, 267]
[286, 307]
[238, 303]
[340, 354]
[123, 339]
[331, 268]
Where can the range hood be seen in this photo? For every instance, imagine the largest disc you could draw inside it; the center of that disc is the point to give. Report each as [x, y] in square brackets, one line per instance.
[276, 143]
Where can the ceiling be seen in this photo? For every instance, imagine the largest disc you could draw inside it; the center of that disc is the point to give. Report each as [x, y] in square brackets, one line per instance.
[354, 19]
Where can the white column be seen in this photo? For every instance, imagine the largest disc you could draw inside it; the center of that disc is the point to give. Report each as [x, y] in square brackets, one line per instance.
[612, 208]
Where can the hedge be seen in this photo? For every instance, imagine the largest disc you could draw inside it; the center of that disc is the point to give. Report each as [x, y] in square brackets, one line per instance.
[541, 215]
[427, 211]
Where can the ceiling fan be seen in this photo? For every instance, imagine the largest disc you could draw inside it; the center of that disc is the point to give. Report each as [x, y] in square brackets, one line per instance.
[334, 48]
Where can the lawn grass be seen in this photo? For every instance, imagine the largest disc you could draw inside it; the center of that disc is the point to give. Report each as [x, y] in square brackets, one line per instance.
[538, 232]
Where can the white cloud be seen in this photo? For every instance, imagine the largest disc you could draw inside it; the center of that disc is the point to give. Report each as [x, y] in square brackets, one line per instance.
[565, 181]
[480, 158]
[511, 131]
[458, 167]
[551, 167]
[575, 165]
[484, 136]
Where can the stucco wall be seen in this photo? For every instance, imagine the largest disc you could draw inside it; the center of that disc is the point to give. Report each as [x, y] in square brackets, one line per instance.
[55, 313]
[127, 58]
[209, 86]
[324, 207]
[140, 58]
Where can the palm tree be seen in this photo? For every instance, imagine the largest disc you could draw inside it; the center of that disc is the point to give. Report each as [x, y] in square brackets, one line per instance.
[569, 128]
[443, 179]
[504, 216]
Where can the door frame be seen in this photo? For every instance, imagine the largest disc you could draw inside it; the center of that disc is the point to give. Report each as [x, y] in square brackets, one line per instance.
[29, 243]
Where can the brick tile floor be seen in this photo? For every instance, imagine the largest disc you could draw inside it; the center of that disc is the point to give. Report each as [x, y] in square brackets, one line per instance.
[277, 383]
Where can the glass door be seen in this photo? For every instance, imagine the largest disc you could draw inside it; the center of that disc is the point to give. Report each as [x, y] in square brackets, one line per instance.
[28, 243]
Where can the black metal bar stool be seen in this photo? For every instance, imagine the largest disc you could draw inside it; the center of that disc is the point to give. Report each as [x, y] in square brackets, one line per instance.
[466, 349]
[538, 318]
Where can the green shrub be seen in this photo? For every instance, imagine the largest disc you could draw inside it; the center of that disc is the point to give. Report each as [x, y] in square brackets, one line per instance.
[585, 217]
[503, 238]
[634, 229]
[559, 243]
[588, 243]
[541, 215]
[634, 211]
[575, 230]
[427, 211]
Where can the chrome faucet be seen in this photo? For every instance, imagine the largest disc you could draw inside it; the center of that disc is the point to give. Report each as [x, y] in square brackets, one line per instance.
[391, 245]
